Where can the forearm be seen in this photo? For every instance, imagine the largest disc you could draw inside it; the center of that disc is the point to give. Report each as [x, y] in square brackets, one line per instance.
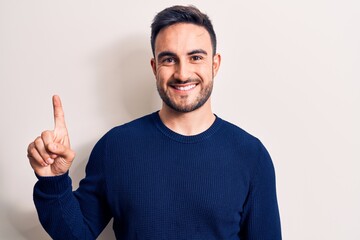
[59, 210]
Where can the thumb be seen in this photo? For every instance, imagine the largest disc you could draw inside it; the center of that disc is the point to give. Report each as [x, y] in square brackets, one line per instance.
[62, 151]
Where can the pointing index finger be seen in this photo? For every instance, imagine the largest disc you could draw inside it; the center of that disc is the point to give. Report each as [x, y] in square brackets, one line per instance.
[59, 118]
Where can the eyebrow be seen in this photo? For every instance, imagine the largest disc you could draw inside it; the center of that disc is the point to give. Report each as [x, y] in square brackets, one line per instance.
[166, 54]
[197, 51]
[172, 54]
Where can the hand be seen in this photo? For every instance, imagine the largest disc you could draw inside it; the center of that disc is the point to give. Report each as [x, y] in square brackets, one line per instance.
[50, 154]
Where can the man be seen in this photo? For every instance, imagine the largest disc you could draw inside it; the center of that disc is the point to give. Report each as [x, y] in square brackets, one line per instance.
[179, 173]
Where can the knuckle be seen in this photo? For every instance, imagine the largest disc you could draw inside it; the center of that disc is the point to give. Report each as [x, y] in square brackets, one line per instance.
[46, 134]
[32, 152]
[31, 146]
[38, 141]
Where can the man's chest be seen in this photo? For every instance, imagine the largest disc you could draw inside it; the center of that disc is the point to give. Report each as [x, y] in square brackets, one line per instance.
[174, 186]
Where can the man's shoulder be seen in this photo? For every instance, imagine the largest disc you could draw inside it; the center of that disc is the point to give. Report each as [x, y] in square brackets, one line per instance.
[234, 131]
[238, 138]
[134, 127]
[136, 124]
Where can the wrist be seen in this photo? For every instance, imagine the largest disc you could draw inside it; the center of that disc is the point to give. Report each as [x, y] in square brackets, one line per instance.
[53, 184]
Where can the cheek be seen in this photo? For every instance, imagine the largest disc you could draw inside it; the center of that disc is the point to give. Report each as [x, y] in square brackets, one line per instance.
[162, 74]
[206, 71]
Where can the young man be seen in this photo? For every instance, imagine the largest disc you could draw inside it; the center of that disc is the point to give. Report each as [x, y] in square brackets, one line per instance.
[179, 173]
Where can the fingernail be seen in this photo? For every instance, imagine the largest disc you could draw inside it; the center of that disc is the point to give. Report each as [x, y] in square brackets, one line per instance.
[50, 161]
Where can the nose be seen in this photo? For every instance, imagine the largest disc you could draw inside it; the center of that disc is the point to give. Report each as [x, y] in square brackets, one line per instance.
[182, 71]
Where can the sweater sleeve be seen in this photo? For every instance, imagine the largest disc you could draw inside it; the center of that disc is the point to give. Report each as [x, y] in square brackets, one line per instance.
[260, 218]
[82, 214]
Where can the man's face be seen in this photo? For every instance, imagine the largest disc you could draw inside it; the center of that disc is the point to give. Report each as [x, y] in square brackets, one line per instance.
[184, 66]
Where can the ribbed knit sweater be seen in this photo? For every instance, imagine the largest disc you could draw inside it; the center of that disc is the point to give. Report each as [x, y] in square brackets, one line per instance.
[157, 184]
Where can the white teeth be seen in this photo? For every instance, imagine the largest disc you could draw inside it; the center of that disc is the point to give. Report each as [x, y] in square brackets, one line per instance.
[186, 87]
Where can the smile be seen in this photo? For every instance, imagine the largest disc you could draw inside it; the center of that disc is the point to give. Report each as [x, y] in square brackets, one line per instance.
[185, 88]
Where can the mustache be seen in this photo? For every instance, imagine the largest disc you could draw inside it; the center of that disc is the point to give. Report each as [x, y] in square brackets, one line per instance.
[178, 81]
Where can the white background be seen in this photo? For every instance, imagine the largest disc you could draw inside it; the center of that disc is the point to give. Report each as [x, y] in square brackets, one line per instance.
[289, 75]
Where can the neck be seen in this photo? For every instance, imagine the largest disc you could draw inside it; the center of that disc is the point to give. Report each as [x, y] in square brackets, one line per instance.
[190, 123]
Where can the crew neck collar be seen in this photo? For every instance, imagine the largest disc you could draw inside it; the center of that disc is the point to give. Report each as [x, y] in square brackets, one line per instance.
[183, 138]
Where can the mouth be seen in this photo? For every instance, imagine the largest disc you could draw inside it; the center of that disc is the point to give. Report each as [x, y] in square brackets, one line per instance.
[187, 87]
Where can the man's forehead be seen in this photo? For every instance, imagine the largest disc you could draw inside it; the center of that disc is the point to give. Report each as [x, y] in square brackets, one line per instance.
[184, 28]
[182, 34]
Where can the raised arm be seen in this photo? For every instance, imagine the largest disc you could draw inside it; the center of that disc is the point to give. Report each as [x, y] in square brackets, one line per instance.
[65, 214]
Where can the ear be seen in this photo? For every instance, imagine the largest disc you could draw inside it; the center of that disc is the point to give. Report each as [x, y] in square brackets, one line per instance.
[153, 65]
[216, 63]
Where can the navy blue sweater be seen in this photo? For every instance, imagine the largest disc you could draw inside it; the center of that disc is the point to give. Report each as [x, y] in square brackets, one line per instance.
[157, 184]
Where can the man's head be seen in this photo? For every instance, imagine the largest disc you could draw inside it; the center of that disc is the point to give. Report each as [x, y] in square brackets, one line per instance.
[185, 62]
[181, 14]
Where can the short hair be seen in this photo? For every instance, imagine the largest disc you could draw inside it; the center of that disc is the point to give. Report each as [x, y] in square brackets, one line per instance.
[181, 14]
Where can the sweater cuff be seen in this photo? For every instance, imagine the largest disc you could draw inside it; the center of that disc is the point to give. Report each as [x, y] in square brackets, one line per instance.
[53, 185]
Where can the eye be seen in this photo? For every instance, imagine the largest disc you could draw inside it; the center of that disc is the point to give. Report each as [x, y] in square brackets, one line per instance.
[196, 58]
[168, 60]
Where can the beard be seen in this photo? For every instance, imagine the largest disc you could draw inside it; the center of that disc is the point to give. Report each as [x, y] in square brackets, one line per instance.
[186, 107]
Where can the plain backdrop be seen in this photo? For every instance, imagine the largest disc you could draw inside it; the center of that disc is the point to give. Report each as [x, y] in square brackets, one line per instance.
[289, 75]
